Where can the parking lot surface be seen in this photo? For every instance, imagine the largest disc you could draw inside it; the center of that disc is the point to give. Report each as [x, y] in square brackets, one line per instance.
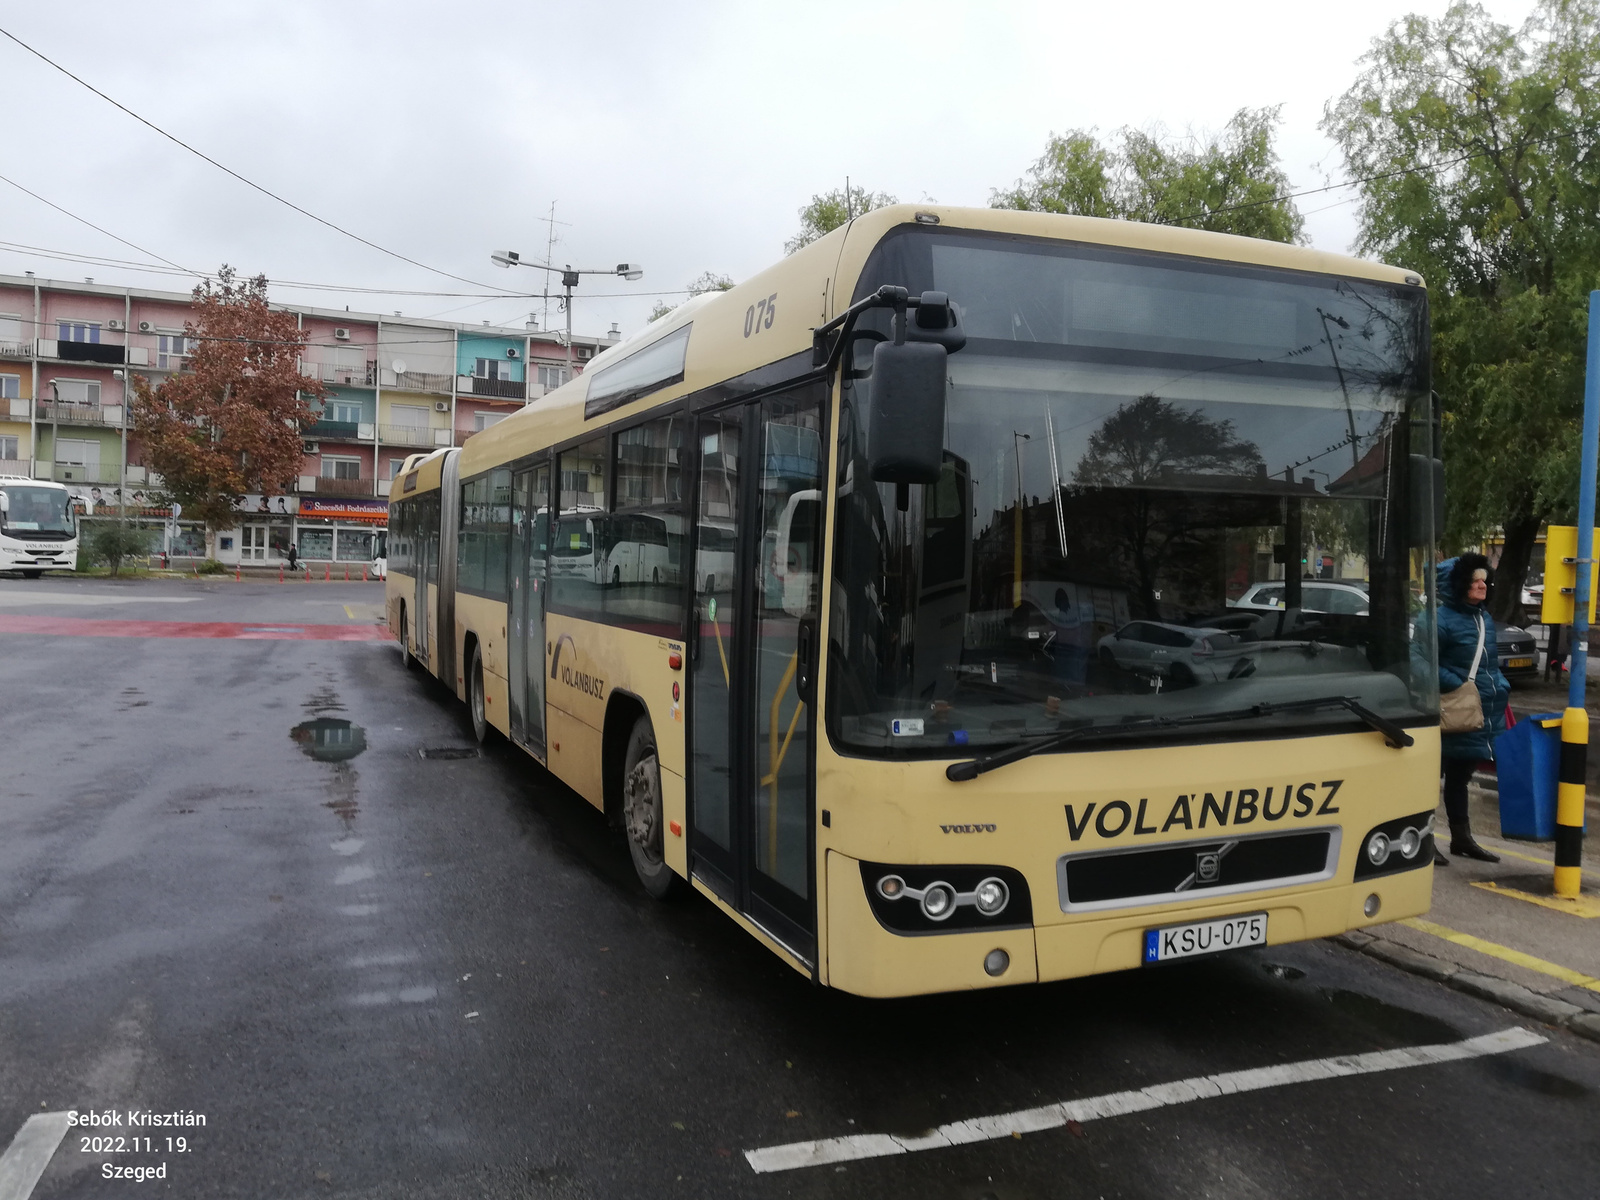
[261, 877]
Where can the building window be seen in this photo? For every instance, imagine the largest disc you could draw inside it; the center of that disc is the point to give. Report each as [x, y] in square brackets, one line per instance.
[8, 449]
[394, 468]
[172, 351]
[482, 420]
[10, 387]
[340, 468]
[342, 414]
[552, 377]
[76, 391]
[408, 416]
[78, 331]
[11, 332]
[491, 368]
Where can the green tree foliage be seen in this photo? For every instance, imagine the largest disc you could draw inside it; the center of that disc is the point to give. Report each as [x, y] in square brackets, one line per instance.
[1231, 182]
[1477, 147]
[829, 210]
[109, 542]
[708, 281]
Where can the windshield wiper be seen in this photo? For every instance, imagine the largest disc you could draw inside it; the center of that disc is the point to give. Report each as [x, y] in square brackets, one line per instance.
[1394, 735]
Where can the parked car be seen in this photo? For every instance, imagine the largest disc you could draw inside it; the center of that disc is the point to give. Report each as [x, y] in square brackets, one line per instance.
[1176, 652]
[1519, 653]
[1316, 595]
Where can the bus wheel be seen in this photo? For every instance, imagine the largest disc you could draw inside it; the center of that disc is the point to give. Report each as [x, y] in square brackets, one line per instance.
[406, 660]
[641, 814]
[655, 576]
[616, 576]
[480, 716]
[32, 574]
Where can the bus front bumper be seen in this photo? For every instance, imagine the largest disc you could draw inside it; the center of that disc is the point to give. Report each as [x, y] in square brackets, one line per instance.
[869, 960]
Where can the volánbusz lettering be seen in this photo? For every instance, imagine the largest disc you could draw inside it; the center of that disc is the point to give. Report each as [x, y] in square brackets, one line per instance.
[1201, 810]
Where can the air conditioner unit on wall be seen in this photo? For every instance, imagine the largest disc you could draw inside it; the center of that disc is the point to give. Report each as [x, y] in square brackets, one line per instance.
[311, 447]
[115, 324]
[342, 334]
[145, 327]
[441, 406]
[513, 352]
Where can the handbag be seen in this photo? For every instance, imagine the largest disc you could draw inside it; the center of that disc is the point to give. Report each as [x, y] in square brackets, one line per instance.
[1461, 709]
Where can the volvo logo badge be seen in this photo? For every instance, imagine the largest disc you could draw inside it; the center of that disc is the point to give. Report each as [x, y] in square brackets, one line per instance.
[1207, 867]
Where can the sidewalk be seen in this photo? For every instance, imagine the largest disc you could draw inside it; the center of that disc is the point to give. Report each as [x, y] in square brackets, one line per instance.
[1488, 933]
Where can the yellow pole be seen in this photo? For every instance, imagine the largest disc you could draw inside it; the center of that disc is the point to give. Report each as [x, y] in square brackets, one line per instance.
[1569, 801]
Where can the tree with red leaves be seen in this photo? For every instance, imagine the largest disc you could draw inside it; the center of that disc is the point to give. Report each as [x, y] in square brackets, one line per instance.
[230, 422]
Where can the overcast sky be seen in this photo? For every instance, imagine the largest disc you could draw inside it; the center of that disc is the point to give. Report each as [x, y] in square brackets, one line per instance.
[683, 137]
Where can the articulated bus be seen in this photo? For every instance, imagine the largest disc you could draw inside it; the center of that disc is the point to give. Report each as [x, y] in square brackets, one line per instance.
[38, 527]
[885, 599]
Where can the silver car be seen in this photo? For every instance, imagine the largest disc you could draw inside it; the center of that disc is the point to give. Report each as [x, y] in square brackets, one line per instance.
[1178, 653]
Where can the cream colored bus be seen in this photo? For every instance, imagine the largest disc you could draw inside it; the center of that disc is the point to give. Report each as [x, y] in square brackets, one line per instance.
[932, 681]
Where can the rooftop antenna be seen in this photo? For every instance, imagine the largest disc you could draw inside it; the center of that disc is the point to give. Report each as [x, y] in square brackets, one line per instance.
[549, 256]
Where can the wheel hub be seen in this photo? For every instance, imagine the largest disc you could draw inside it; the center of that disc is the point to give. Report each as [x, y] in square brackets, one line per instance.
[641, 808]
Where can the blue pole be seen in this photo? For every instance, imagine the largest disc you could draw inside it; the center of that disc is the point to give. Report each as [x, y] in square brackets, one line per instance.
[1578, 674]
[1572, 774]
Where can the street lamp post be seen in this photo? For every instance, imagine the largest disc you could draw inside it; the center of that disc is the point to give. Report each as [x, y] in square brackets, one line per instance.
[569, 280]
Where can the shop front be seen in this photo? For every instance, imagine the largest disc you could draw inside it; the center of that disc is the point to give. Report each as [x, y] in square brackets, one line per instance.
[320, 531]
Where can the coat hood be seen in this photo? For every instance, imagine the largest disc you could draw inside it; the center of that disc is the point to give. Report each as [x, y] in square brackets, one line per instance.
[1455, 576]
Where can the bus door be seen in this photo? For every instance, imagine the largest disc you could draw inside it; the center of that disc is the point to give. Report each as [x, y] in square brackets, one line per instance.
[426, 544]
[753, 660]
[530, 491]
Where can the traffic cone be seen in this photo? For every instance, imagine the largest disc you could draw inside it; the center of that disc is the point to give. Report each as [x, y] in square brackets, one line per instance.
[308, 574]
[236, 576]
[347, 574]
[363, 574]
[327, 573]
[280, 572]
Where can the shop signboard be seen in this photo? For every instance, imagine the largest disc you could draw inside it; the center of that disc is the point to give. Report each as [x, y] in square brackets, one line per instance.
[370, 512]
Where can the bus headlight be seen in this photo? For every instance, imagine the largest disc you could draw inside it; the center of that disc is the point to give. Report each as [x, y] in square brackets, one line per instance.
[990, 896]
[1410, 841]
[1378, 848]
[890, 887]
[938, 901]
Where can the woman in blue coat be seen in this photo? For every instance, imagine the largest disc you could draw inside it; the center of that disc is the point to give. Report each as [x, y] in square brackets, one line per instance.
[1463, 621]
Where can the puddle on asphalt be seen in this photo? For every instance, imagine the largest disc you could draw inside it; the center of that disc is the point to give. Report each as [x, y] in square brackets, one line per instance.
[337, 741]
[1280, 971]
[329, 739]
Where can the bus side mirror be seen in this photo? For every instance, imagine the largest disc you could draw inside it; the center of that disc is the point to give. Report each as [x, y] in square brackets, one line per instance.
[1427, 497]
[5, 503]
[905, 436]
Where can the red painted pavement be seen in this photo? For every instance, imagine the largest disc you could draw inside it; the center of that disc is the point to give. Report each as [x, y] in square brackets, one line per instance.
[243, 631]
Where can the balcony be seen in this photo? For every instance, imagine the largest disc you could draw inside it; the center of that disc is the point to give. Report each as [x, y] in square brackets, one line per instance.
[341, 374]
[19, 408]
[66, 413]
[347, 488]
[418, 381]
[411, 435]
[493, 389]
[13, 466]
[15, 350]
[100, 473]
[103, 353]
[333, 431]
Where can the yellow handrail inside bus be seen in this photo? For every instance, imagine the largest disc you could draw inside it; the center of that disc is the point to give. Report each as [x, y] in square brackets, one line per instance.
[721, 653]
[776, 755]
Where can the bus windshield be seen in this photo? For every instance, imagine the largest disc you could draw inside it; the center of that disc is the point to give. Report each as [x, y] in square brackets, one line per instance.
[39, 511]
[1171, 488]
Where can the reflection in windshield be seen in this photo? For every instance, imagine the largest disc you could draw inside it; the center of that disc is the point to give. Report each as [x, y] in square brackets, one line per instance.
[1133, 518]
[37, 510]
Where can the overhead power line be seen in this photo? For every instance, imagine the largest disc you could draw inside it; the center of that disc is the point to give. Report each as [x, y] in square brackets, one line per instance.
[93, 226]
[247, 182]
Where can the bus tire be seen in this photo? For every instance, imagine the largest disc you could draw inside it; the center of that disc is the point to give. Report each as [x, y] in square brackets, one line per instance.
[616, 576]
[406, 658]
[475, 698]
[32, 574]
[642, 820]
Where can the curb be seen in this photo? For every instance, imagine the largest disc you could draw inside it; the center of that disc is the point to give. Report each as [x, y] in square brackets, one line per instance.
[1545, 1009]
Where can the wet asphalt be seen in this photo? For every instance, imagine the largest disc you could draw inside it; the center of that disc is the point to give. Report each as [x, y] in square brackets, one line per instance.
[231, 885]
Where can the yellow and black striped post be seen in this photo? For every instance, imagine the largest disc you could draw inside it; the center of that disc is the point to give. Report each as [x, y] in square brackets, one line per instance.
[1570, 792]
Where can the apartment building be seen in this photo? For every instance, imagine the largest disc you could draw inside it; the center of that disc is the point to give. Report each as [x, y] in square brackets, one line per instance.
[69, 352]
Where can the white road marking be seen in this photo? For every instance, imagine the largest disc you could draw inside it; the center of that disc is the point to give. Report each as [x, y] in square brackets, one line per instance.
[1115, 1104]
[30, 1153]
[22, 598]
[349, 875]
[347, 846]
